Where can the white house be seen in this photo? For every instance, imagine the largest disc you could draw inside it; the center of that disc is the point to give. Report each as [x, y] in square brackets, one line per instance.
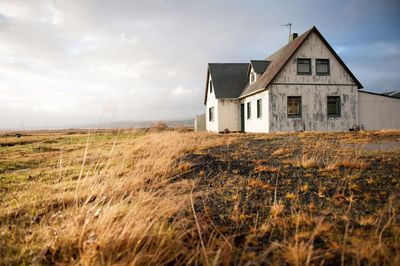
[303, 86]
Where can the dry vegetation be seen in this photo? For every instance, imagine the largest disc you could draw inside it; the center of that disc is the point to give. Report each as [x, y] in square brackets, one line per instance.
[159, 197]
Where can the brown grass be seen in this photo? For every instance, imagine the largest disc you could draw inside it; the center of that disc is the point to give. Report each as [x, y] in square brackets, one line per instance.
[281, 151]
[135, 198]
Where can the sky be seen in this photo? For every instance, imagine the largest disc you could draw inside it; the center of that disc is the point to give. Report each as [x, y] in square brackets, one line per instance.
[78, 62]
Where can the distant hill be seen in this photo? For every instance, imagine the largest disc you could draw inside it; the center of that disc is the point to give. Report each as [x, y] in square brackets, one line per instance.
[111, 125]
[141, 124]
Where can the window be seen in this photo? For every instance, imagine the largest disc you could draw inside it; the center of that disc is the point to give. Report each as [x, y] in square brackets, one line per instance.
[211, 86]
[259, 108]
[248, 110]
[333, 106]
[252, 77]
[211, 114]
[322, 66]
[294, 106]
[303, 66]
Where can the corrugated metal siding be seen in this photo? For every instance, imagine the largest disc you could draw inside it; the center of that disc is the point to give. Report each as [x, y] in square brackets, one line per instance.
[200, 123]
[378, 112]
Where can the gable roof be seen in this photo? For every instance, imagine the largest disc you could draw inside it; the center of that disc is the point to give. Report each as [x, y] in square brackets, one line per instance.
[228, 79]
[259, 66]
[280, 58]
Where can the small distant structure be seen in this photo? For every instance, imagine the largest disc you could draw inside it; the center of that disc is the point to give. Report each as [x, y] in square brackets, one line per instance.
[159, 126]
[18, 135]
[200, 123]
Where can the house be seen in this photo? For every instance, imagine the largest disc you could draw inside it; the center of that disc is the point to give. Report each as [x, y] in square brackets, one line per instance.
[303, 86]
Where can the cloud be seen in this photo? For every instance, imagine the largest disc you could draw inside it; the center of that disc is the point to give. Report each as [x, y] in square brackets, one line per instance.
[81, 61]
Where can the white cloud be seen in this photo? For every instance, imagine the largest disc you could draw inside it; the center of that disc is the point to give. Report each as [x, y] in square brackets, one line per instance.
[86, 60]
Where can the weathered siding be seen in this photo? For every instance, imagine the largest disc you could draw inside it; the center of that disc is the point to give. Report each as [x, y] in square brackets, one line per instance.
[379, 112]
[314, 48]
[211, 102]
[314, 90]
[254, 124]
[314, 108]
[228, 115]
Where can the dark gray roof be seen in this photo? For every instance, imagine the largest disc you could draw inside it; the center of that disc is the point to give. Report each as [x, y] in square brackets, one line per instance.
[396, 94]
[388, 92]
[229, 79]
[259, 66]
[392, 95]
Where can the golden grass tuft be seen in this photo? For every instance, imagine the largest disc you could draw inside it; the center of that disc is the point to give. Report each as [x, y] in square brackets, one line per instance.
[258, 183]
[265, 168]
[281, 151]
[356, 164]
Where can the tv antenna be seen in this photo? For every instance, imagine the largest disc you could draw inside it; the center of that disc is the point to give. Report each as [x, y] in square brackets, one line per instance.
[289, 25]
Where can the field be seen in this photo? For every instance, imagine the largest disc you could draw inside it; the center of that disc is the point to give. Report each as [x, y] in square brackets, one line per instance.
[172, 197]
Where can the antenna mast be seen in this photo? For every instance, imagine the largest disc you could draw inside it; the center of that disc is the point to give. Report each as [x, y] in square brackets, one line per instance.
[289, 25]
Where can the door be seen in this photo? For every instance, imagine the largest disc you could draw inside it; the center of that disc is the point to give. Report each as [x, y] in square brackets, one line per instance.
[242, 117]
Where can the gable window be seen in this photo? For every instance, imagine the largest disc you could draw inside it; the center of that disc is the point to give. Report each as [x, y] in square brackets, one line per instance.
[210, 86]
[211, 114]
[303, 66]
[248, 110]
[322, 66]
[294, 106]
[252, 77]
[259, 108]
[333, 106]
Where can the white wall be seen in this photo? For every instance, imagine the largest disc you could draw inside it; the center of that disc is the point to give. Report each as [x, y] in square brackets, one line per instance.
[254, 124]
[379, 112]
[211, 102]
[228, 115]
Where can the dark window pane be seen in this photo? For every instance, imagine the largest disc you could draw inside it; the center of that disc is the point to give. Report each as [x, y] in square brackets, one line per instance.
[322, 66]
[303, 66]
[333, 106]
[211, 114]
[248, 110]
[211, 87]
[259, 108]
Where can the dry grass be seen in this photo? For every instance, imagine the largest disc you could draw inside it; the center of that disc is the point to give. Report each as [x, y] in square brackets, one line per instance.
[281, 152]
[140, 198]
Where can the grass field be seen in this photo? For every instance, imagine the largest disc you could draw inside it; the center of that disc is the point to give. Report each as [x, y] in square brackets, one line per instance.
[172, 197]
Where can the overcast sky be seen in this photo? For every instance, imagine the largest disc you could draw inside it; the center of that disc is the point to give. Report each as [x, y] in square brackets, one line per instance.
[76, 62]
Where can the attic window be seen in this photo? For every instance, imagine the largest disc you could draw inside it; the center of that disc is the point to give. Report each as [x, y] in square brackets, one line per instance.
[303, 66]
[252, 77]
[210, 86]
[322, 66]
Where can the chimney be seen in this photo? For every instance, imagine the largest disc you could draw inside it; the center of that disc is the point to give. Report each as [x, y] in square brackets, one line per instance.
[292, 37]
